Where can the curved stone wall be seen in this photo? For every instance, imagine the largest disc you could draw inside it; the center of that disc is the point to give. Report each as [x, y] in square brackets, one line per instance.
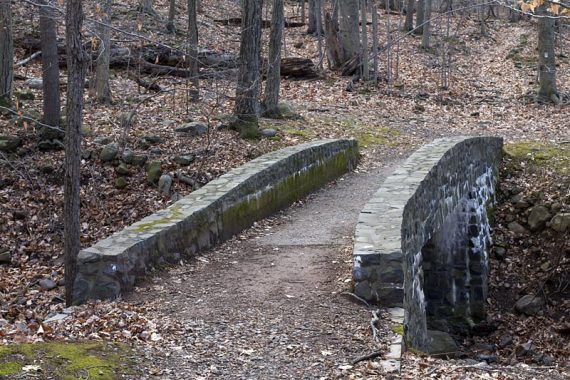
[209, 215]
[421, 241]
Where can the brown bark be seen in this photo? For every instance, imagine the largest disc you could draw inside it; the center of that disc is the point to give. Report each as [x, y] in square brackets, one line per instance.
[247, 90]
[102, 87]
[312, 26]
[546, 59]
[409, 23]
[194, 91]
[348, 29]
[273, 82]
[364, 38]
[420, 17]
[171, 13]
[427, 26]
[76, 63]
[6, 53]
[333, 43]
[50, 73]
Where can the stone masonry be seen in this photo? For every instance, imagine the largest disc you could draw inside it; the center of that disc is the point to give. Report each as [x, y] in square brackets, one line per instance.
[210, 215]
[421, 241]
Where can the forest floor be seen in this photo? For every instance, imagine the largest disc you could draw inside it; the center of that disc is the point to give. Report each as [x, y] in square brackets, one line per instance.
[488, 93]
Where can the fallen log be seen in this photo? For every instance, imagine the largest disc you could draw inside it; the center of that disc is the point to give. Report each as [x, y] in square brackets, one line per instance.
[236, 21]
[299, 68]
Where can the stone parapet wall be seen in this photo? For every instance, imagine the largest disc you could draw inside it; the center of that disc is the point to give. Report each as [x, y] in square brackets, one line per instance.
[210, 215]
[421, 240]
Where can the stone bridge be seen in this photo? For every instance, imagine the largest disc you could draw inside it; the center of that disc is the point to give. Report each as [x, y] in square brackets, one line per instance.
[422, 240]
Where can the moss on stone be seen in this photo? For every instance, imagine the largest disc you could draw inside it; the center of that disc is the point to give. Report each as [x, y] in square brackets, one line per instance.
[175, 214]
[398, 329]
[541, 154]
[95, 360]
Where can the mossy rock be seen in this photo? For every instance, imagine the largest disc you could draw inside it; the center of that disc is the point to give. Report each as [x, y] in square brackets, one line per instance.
[541, 154]
[93, 360]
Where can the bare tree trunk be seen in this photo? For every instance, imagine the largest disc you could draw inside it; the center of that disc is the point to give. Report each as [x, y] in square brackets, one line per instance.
[427, 26]
[170, 28]
[303, 15]
[273, 82]
[420, 17]
[199, 6]
[146, 7]
[312, 27]
[194, 92]
[102, 87]
[76, 66]
[546, 59]
[6, 53]
[247, 89]
[481, 13]
[375, 39]
[348, 29]
[409, 24]
[50, 73]
[318, 9]
[364, 37]
[333, 44]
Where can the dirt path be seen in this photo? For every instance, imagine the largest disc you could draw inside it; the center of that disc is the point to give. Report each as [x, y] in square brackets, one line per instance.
[269, 304]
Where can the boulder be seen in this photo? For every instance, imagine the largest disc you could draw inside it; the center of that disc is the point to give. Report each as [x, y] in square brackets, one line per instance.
[121, 182]
[5, 257]
[9, 143]
[269, 132]
[146, 141]
[529, 304]
[561, 222]
[194, 128]
[47, 284]
[48, 145]
[122, 169]
[102, 140]
[538, 217]
[153, 172]
[441, 344]
[516, 228]
[164, 184]
[109, 152]
[35, 83]
[184, 160]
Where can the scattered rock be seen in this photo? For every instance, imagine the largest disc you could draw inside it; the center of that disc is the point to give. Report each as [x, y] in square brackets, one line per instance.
[102, 140]
[510, 218]
[500, 253]
[49, 145]
[127, 156]
[47, 284]
[147, 140]
[529, 304]
[131, 158]
[109, 152]
[548, 360]
[187, 180]
[268, 132]
[560, 222]
[86, 154]
[22, 95]
[506, 341]
[121, 182]
[164, 184]
[9, 143]
[487, 358]
[58, 318]
[5, 257]
[525, 349]
[538, 217]
[153, 172]
[441, 344]
[35, 83]
[122, 169]
[184, 160]
[194, 128]
[516, 228]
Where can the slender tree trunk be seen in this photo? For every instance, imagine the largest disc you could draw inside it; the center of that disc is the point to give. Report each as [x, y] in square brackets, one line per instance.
[319, 12]
[420, 17]
[409, 24]
[102, 87]
[199, 6]
[76, 69]
[6, 53]
[303, 15]
[273, 82]
[375, 40]
[364, 36]
[50, 73]
[171, 14]
[194, 92]
[146, 7]
[247, 89]
[546, 59]
[312, 27]
[348, 29]
[427, 26]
